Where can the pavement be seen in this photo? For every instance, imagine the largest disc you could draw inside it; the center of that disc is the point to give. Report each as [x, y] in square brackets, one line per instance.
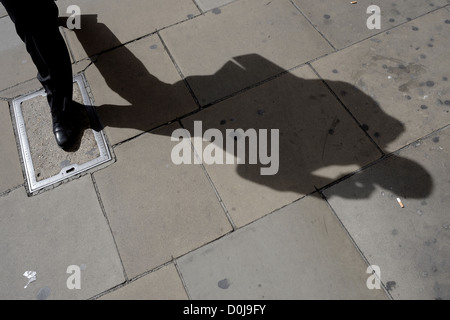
[354, 202]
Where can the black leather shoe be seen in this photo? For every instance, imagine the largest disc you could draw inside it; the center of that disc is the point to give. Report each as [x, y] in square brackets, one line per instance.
[65, 128]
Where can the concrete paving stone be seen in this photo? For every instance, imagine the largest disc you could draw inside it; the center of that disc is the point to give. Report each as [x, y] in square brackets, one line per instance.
[33, 85]
[318, 143]
[21, 89]
[163, 284]
[410, 245]
[10, 171]
[157, 210]
[210, 50]
[206, 5]
[127, 20]
[137, 88]
[80, 66]
[343, 23]
[3, 12]
[298, 252]
[51, 232]
[15, 64]
[405, 71]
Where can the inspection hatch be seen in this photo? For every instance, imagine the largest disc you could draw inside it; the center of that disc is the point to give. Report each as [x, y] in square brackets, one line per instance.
[44, 162]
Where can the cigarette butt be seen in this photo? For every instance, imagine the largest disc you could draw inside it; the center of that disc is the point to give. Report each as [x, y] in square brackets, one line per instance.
[400, 202]
[354, 2]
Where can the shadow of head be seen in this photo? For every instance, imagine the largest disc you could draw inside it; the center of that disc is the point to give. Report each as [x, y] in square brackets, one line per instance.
[318, 140]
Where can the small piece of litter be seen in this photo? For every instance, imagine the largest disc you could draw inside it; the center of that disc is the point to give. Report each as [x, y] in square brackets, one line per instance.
[400, 202]
[31, 275]
[354, 2]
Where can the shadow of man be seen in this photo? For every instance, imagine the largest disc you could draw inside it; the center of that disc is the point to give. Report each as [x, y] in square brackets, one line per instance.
[319, 141]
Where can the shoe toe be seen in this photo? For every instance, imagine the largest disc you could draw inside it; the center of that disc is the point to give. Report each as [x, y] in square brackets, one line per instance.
[65, 136]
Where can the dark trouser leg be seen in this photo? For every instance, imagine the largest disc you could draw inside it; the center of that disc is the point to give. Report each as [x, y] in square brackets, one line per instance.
[36, 24]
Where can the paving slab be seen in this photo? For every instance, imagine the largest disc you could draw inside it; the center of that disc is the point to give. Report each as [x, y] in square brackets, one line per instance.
[21, 89]
[137, 88]
[15, 62]
[206, 5]
[405, 71]
[33, 85]
[3, 12]
[10, 170]
[318, 143]
[51, 232]
[209, 49]
[410, 245]
[126, 19]
[163, 284]
[298, 252]
[157, 210]
[344, 23]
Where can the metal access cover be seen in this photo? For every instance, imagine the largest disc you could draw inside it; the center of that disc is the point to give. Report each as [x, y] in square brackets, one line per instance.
[44, 162]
